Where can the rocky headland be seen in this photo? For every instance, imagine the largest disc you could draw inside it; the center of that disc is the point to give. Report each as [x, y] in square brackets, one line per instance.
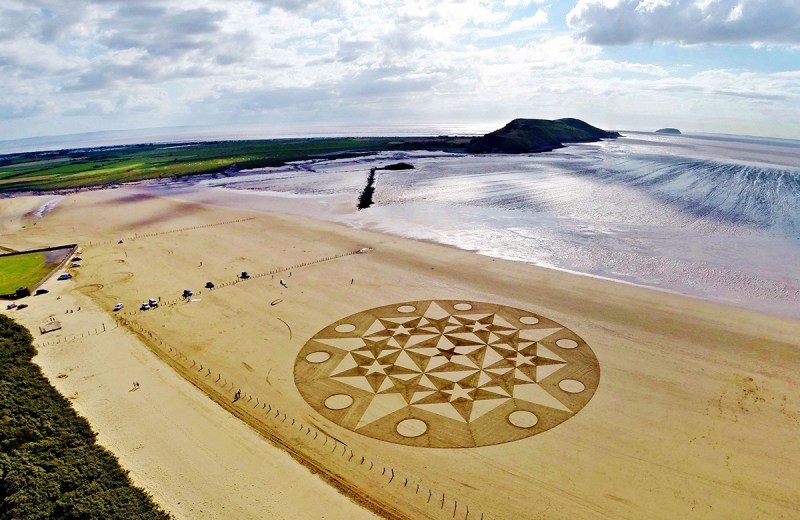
[537, 135]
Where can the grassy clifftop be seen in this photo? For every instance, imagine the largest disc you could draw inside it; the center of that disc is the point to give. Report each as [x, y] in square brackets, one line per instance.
[537, 135]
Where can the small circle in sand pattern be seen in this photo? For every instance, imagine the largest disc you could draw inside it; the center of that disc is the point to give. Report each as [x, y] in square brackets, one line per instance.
[447, 373]
[318, 357]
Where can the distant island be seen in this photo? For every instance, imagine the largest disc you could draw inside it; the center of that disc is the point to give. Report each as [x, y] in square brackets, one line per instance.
[672, 131]
[537, 135]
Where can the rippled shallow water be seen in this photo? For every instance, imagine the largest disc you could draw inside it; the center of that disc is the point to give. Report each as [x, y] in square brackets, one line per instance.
[711, 216]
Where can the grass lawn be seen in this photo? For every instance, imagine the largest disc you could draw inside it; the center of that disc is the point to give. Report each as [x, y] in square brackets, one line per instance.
[22, 271]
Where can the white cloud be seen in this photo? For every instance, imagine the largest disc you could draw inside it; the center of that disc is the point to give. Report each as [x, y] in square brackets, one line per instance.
[521, 3]
[113, 64]
[537, 19]
[621, 22]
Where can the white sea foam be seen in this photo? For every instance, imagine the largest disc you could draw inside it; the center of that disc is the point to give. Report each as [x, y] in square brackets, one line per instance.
[47, 207]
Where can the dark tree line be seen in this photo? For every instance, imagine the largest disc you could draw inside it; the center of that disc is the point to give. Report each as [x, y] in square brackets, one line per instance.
[50, 464]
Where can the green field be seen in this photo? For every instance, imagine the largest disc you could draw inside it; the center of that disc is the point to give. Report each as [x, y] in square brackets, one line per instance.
[22, 271]
[110, 165]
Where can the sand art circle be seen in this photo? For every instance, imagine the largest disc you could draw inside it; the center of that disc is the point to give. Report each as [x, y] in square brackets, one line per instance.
[447, 373]
[345, 327]
[572, 386]
[318, 357]
[567, 343]
[411, 427]
[523, 419]
[338, 401]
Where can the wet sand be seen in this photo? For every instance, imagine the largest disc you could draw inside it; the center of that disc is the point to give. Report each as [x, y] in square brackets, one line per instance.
[688, 392]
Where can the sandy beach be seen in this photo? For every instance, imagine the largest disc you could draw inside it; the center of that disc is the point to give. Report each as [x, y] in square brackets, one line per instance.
[685, 400]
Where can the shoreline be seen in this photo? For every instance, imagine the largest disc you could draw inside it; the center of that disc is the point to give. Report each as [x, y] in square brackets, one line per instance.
[335, 217]
[671, 367]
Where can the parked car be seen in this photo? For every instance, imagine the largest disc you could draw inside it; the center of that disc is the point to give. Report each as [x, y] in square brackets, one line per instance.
[209, 285]
[40, 291]
[75, 264]
[187, 293]
[21, 306]
[118, 307]
[65, 276]
[245, 275]
[77, 259]
[11, 306]
[145, 307]
[153, 302]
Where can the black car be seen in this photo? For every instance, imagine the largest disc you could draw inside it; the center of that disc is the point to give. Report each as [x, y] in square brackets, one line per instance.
[41, 291]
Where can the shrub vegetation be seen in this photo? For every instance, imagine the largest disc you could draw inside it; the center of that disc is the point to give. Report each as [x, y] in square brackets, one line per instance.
[50, 464]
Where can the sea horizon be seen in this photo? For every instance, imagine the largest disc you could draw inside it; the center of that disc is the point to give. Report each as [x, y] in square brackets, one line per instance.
[200, 133]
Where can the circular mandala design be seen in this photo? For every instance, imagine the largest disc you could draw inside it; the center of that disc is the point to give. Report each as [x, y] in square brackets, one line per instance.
[447, 373]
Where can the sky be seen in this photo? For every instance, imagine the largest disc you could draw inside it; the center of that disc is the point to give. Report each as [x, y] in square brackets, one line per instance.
[720, 66]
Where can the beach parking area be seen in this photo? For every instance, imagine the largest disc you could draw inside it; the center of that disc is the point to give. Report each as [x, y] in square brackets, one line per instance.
[353, 374]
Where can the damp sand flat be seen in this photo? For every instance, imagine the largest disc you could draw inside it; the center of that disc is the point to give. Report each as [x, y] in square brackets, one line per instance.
[690, 214]
[688, 390]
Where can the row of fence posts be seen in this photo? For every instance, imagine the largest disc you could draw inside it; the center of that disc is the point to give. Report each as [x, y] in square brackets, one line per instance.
[178, 230]
[257, 275]
[66, 339]
[267, 409]
[337, 447]
[176, 300]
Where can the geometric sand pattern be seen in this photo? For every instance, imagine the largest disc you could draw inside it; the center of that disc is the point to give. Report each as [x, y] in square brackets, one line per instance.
[447, 373]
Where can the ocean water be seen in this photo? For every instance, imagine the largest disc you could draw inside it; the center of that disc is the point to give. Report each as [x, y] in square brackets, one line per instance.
[716, 217]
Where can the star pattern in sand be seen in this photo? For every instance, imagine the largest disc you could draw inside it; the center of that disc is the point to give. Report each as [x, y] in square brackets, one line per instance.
[455, 361]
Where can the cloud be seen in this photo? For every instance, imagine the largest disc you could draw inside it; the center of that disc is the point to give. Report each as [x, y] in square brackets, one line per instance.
[18, 111]
[520, 3]
[316, 6]
[158, 30]
[537, 19]
[97, 64]
[623, 22]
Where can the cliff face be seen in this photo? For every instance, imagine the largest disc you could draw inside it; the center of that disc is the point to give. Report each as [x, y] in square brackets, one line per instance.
[537, 135]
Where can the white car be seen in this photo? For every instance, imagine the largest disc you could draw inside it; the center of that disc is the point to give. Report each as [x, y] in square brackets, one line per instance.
[118, 307]
[145, 307]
